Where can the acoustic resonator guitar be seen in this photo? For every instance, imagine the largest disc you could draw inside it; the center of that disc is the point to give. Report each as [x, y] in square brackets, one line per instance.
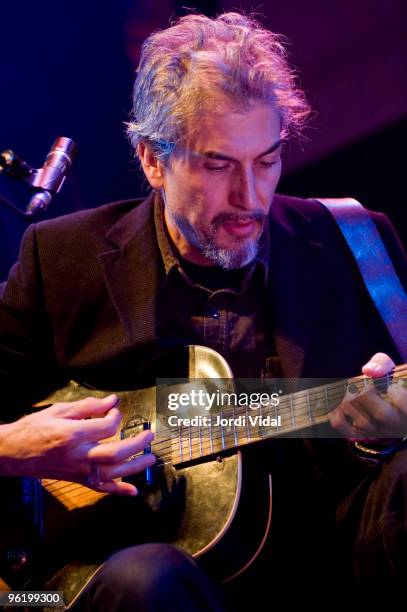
[207, 487]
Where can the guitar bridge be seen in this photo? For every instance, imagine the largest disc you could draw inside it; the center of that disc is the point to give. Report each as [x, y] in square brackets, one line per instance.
[145, 479]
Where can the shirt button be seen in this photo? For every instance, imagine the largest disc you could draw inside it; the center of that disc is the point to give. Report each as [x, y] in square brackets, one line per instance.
[215, 314]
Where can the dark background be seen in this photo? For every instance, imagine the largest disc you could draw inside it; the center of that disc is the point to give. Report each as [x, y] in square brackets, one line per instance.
[67, 70]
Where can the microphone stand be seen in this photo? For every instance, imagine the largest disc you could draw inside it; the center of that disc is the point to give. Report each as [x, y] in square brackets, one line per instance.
[11, 165]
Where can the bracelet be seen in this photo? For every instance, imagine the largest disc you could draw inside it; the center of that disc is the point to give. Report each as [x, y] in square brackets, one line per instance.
[374, 452]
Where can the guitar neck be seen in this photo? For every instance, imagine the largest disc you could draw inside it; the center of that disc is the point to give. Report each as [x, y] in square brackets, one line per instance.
[237, 426]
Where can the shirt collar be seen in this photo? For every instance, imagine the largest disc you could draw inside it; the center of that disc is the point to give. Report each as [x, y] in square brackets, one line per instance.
[167, 249]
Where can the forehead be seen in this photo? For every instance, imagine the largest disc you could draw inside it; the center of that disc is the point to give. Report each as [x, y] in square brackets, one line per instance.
[237, 134]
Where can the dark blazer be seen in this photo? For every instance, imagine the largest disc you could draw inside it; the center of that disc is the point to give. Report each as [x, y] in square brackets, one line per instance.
[81, 301]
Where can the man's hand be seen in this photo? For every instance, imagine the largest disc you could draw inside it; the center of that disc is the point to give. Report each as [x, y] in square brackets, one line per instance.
[366, 414]
[62, 442]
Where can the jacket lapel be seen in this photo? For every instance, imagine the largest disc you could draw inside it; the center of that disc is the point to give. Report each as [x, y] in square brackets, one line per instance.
[133, 269]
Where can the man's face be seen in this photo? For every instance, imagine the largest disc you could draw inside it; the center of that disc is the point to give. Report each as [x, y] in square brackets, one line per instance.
[219, 190]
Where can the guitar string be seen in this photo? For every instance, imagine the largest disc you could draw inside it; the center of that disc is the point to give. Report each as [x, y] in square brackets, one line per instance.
[292, 398]
[68, 488]
[243, 411]
[230, 411]
[300, 423]
[76, 490]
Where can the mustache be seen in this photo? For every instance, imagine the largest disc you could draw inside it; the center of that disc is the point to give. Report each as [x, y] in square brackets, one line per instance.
[238, 218]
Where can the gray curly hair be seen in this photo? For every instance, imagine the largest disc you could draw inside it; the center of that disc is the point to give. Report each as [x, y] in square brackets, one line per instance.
[186, 68]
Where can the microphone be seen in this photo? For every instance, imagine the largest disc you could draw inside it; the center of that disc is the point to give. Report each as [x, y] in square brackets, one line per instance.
[49, 179]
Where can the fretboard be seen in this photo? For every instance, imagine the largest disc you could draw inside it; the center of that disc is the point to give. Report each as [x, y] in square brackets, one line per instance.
[236, 426]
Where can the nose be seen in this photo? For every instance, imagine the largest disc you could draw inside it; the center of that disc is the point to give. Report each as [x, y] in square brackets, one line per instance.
[243, 191]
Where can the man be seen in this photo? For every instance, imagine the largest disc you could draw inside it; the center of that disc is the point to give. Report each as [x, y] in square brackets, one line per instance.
[212, 257]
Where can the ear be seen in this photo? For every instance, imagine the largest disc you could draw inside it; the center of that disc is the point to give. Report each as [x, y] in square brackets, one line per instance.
[152, 167]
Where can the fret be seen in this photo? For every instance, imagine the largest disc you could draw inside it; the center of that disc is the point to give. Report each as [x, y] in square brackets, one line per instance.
[200, 441]
[292, 411]
[180, 443]
[321, 403]
[248, 429]
[222, 431]
[260, 427]
[326, 388]
[304, 410]
[276, 415]
[235, 433]
[309, 411]
[210, 436]
[190, 441]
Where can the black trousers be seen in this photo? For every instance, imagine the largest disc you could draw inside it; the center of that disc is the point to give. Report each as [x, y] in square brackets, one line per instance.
[346, 535]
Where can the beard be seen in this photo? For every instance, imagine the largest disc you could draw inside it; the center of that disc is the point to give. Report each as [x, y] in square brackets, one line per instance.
[206, 241]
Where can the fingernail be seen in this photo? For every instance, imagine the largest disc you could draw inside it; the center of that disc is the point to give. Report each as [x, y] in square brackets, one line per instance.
[373, 365]
[111, 398]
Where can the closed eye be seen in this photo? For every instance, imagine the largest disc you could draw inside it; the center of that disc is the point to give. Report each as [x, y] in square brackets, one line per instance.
[267, 164]
[217, 168]
[262, 163]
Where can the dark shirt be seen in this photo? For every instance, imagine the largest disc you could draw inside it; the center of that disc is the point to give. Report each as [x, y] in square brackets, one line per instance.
[225, 310]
